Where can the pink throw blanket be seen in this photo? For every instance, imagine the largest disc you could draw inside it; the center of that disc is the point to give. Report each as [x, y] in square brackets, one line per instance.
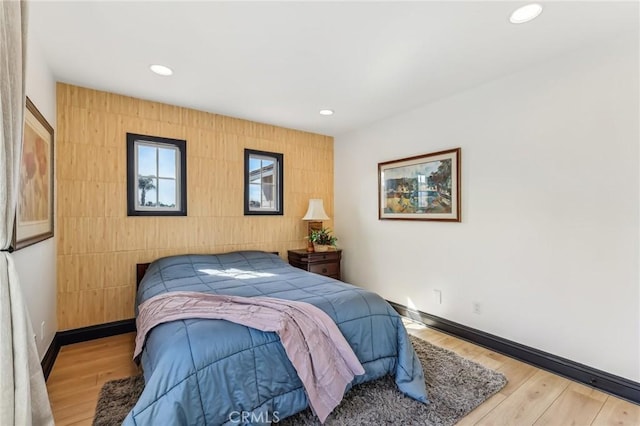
[315, 346]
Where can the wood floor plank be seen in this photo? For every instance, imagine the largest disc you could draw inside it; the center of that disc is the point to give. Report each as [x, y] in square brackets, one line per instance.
[60, 386]
[74, 396]
[431, 336]
[117, 340]
[90, 356]
[528, 402]
[71, 371]
[77, 412]
[517, 373]
[465, 349]
[117, 373]
[476, 415]
[578, 405]
[487, 360]
[617, 412]
[85, 422]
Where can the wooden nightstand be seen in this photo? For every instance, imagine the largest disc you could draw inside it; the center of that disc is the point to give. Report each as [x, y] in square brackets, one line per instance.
[324, 263]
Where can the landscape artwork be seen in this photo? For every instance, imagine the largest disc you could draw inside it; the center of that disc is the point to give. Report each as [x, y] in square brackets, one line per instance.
[424, 187]
[34, 213]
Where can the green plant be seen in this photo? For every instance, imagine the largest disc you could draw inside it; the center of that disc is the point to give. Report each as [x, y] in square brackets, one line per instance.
[323, 237]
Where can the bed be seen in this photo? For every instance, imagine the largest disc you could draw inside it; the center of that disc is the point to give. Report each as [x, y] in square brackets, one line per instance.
[214, 372]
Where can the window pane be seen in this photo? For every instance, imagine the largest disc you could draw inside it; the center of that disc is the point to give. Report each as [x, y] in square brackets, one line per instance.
[268, 205]
[166, 193]
[254, 164]
[167, 162]
[255, 177]
[267, 171]
[267, 166]
[146, 160]
[147, 195]
[268, 192]
[255, 196]
[267, 179]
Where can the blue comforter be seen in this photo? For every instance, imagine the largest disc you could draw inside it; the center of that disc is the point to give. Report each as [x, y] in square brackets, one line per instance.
[212, 372]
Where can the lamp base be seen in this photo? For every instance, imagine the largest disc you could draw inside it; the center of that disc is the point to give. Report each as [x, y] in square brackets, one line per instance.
[312, 226]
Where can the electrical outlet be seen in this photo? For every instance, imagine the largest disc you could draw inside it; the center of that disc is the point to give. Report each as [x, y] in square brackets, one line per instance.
[437, 295]
[42, 325]
[477, 308]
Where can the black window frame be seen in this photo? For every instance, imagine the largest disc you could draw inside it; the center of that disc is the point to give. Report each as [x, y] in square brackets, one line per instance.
[279, 159]
[181, 175]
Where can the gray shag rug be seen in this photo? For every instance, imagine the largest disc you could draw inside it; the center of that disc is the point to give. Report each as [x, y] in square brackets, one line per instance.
[455, 386]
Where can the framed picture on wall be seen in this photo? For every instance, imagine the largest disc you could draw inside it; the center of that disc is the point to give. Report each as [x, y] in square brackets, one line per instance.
[34, 213]
[424, 187]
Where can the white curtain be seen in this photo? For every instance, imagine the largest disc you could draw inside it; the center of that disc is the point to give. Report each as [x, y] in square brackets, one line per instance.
[23, 393]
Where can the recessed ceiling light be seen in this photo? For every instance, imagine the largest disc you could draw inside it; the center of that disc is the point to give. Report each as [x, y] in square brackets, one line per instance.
[326, 112]
[161, 70]
[525, 13]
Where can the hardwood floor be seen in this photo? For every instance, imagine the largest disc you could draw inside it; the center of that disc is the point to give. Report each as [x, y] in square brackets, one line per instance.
[80, 371]
[532, 396]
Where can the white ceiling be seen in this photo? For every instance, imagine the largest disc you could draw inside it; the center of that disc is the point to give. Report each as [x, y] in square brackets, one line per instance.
[281, 62]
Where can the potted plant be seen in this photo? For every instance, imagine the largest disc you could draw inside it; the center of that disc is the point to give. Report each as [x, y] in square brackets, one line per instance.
[322, 239]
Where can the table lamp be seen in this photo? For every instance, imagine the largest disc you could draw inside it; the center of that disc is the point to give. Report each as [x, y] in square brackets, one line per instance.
[315, 215]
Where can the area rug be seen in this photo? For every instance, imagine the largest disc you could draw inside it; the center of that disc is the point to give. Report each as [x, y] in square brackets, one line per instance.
[455, 386]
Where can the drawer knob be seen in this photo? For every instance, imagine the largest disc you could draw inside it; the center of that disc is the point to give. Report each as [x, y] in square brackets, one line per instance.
[324, 270]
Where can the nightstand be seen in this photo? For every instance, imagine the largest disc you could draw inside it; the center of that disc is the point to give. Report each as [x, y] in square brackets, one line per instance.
[324, 263]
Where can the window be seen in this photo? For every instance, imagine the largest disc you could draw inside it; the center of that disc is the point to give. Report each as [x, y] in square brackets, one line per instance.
[156, 176]
[263, 183]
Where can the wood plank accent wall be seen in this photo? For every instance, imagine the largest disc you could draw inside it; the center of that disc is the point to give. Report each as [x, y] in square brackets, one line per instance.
[98, 245]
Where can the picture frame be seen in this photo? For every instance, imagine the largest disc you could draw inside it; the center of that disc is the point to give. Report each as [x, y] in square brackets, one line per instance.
[34, 211]
[423, 187]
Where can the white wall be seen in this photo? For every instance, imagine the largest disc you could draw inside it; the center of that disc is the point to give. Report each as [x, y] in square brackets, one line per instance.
[36, 264]
[549, 242]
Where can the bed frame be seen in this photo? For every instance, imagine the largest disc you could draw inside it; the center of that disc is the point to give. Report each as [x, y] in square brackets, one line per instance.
[141, 268]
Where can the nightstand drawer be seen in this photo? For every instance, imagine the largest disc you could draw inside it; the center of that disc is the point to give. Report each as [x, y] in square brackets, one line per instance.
[324, 268]
[324, 256]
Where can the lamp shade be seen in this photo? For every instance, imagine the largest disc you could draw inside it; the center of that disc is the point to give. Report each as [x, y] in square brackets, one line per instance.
[316, 210]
